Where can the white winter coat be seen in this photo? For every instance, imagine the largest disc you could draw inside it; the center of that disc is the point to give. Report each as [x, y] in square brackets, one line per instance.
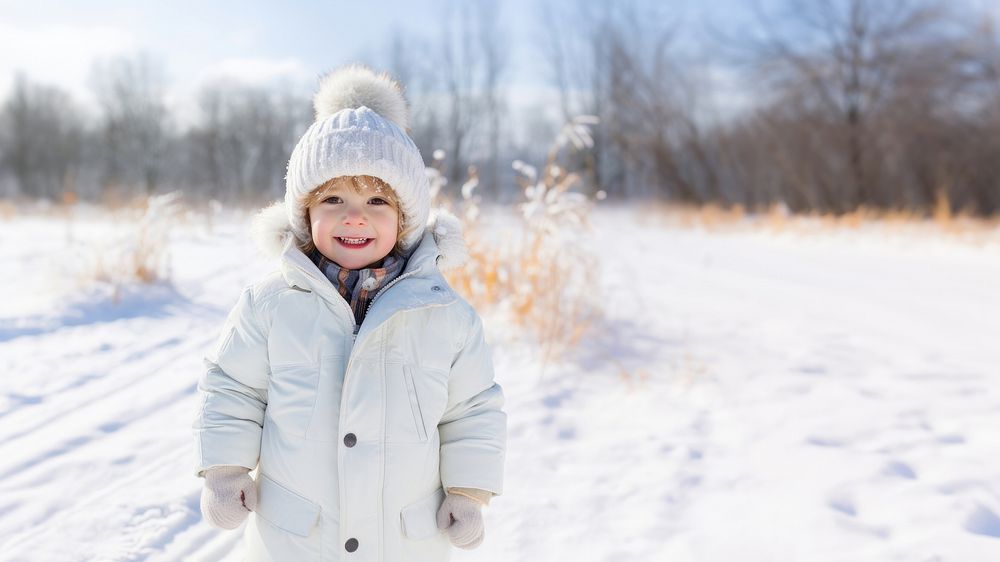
[356, 436]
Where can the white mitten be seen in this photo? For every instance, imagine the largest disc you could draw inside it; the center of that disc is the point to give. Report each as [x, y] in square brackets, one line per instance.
[463, 517]
[228, 497]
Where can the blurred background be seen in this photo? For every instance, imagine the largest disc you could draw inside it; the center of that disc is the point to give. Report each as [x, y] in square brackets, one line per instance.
[824, 105]
[737, 261]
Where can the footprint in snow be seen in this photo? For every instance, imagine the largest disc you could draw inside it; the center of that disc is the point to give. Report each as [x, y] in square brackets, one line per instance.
[951, 439]
[812, 370]
[821, 441]
[554, 401]
[983, 521]
[842, 503]
[899, 469]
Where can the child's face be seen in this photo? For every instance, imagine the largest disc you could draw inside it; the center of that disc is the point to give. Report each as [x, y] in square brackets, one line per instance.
[343, 217]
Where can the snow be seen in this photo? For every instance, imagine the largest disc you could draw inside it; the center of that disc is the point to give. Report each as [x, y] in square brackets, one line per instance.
[828, 395]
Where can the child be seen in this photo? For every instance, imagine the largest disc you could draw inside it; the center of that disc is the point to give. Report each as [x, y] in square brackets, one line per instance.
[354, 381]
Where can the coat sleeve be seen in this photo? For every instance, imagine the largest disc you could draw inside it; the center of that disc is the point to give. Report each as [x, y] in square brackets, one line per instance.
[473, 428]
[233, 389]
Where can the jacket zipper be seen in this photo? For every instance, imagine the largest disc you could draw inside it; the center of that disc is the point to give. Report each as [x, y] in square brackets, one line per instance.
[383, 289]
[357, 327]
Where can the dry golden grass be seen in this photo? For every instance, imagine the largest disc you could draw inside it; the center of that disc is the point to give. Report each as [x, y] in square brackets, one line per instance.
[7, 209]
[68, 204]
[544, 279]
[535, 287]
[714, 217]
[141, 261]
[141, 255]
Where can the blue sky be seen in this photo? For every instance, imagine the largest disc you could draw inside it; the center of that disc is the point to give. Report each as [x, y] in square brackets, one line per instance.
[261, 42]
[53, 42]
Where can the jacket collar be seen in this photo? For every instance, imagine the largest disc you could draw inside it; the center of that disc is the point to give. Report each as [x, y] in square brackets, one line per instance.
[420, 284]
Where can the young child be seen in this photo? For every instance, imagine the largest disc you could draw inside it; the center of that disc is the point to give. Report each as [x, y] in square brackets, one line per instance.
[349, 407]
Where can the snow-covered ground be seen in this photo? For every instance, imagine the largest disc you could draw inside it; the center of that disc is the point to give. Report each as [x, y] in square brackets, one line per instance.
[751, 396]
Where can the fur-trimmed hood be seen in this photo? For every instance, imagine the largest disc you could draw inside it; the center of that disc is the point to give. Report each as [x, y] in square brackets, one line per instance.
[271, 232]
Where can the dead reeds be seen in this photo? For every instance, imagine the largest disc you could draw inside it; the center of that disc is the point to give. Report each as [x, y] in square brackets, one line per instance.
[541, 275]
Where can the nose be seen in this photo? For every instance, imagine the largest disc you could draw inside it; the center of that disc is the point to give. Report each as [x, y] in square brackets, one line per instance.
[354, 215]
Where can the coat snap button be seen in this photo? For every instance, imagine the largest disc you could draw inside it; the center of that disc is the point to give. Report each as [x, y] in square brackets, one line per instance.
[351, 545]
[350, 440]
[435, 288]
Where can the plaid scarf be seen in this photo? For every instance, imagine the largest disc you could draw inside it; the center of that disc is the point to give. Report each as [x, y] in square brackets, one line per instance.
[359, 286]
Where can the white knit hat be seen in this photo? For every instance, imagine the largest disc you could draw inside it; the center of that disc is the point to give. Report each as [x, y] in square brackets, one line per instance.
[360, 129]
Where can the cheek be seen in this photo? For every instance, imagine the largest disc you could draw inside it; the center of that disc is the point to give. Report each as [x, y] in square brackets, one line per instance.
[389, 225]
[321, 217]
[318, 226]
[315, 224]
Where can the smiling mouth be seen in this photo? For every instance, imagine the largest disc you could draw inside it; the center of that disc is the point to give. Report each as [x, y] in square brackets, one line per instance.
[353, 242]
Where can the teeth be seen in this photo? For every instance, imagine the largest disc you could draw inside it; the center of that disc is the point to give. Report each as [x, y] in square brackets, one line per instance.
[354, 240]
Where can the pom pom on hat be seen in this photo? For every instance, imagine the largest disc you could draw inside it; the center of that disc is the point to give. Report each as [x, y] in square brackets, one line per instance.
[357, 86]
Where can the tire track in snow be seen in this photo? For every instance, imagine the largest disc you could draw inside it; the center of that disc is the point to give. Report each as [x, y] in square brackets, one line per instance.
[81, 381]
[87, 408]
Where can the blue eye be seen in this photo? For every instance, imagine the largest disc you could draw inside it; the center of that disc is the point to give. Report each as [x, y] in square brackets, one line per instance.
[378, 201]
[332, 199]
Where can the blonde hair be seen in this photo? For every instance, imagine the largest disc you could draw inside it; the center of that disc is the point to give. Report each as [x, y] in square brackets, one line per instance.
[360, 184]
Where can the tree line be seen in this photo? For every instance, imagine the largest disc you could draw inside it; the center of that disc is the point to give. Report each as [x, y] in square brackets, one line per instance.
[818, 105]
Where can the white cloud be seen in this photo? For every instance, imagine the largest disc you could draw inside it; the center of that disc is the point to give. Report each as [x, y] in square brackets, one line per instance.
[256, 71]
[260, 71]
[59, 55]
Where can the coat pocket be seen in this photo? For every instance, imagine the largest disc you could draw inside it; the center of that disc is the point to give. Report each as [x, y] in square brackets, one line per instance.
[325, 420]
[419, 519]
[284, 508]
[418, 416]
[404, 418]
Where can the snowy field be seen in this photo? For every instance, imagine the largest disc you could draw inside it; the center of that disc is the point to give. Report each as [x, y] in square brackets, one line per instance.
[753, 396]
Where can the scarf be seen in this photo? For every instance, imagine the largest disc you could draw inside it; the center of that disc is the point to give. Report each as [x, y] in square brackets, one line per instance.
[359, 286]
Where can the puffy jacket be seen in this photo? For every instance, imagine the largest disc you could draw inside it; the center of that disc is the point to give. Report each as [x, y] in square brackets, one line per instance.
[354, 431]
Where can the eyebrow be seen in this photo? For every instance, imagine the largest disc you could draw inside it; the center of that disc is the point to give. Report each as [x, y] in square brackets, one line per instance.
[340, 190]
[332, 190]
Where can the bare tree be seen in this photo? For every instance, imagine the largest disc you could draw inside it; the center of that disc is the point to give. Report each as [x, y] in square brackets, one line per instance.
[240, 145]
[134, 121]
[649, 140]
[41, 133]
[574, 40]
[420, 79]
[458, 63]
[494, 49]
[841, 62]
